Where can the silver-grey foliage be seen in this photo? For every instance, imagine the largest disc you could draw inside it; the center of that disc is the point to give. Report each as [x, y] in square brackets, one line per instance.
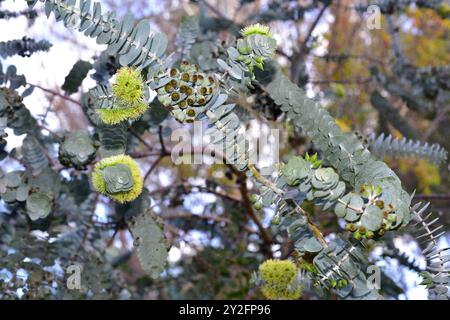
[149, 242]
[427, 231]
[24, 47]
[10, 76]
[187, 35]
[133, 43]
[33, 153]
[77, 149]
[388, 145]
[352, 161]
[76, 76]
[113, 139]
[18, 116]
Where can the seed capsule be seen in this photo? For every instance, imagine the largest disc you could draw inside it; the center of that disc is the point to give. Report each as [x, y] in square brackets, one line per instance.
[201, 100]
[182, 104]
[168, 87]
[175, 96]
[183, 88]
[379, 204]
[173, 72]
[185, 77]
[191, 113]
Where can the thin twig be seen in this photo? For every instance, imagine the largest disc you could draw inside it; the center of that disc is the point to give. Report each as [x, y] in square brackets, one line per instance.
[55, 93]
[311, 30]
[153, 166]
[435, 123]
[214, 9]
[86, 231]
[349, 206]
[433, 196]
[251, 212]
[344, 81]
[298, 56]
[138, 136]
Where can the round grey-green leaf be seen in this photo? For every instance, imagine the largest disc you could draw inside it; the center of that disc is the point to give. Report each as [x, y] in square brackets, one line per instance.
[355, 203]
[12, 179]
[151, 246]
[372, 218]
[22, 192]
[9, 195]
[39, 205]
[340, 210]
[312, 245]
[118, 178]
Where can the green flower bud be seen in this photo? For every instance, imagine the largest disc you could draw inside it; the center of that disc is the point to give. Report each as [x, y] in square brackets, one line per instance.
[342, 283]
[333, 283]
[370, 234]
[253, 198]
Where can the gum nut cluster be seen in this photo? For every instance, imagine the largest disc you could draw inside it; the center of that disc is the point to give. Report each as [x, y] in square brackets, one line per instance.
[366, 214]
[278, 278]
[118, 177]
[129, 102]
[185, 91]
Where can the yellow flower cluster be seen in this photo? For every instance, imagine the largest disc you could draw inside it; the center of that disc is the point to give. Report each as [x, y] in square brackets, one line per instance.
[278, 277]
[124, 196]
[129, 103]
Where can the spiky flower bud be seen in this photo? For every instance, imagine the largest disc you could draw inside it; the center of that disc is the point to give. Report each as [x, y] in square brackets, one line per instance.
[118, 177]
[256, 29]
[129, 102]
[258, 205]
